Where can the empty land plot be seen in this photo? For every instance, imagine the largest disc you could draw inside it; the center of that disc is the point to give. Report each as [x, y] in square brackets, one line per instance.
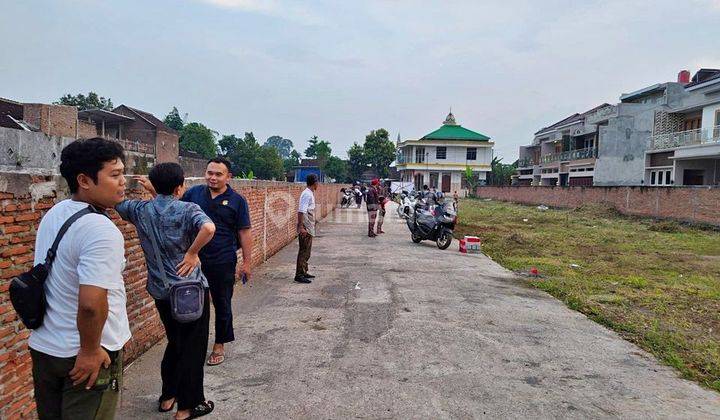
[657, 283]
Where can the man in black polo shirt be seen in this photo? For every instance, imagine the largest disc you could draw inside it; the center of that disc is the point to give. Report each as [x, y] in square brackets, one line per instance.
[229, 211]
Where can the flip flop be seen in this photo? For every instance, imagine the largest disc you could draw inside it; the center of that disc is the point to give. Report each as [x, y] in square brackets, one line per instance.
[202, 409]
[215, 356]
[160, 407]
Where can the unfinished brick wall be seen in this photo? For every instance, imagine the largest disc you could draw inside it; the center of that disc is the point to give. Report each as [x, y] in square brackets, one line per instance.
[23, 201]
[193, 166]
[86, 130]
[53, 120]
[687, 204]
[166, 147]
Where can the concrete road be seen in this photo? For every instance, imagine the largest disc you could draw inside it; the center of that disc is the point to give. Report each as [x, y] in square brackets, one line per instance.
[392, 329]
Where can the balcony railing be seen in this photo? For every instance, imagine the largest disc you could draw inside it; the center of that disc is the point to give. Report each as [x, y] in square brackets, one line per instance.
[524, 163]
[684, 138]
[588, 153]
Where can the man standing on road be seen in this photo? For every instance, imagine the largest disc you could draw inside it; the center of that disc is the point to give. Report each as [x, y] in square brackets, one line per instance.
[229, 211]
[382, 197]
[306, 229]
[373, 205]
[77, 351]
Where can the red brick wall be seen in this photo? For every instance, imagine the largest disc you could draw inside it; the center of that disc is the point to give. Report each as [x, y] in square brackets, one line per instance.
[689, 204]
[86, 130]
[273, 207]
[166, 147]
[193, 166]
[138, 130]
[53, 120]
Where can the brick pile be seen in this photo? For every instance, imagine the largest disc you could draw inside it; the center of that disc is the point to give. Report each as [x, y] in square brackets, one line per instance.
[26, 198]
[686, 204]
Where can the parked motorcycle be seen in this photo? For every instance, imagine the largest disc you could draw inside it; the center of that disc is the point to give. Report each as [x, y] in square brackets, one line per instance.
[436, 224]
[406, 207]
[347, 198]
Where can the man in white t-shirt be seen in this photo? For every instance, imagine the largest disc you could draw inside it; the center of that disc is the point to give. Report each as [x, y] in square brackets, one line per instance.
[306, 229]
[77, 352]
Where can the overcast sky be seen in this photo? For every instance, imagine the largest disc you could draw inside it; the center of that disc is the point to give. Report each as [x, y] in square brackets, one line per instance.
[339, 69]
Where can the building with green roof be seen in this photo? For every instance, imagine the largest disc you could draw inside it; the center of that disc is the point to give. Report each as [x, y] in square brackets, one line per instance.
[439, 159]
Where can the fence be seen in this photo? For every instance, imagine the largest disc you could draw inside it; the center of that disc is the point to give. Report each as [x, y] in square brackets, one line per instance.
[24, 198]
[688, 204]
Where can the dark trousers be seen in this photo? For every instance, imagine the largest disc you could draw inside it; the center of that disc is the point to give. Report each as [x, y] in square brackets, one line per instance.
[184, 359]
[221, 278]
[58, 398]
[305, 240]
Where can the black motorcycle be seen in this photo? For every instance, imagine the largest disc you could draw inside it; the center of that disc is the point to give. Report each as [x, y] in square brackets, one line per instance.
[435, 224]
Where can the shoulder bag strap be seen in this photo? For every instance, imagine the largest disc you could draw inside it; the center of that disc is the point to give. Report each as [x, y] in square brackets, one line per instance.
[52, 252]
[156, 251]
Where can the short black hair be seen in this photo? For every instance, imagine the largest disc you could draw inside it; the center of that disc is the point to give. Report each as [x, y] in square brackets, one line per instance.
[311, 180]
[425, 187]
[88, 157]
[165, 177]
[222, 160]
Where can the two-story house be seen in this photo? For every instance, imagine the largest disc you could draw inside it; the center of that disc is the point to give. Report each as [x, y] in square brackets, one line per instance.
[685, 146]
[604, 146]
[439, 159]
[562, 153]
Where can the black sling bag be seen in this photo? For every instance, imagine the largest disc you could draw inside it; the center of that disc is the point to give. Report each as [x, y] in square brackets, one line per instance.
[27, 291]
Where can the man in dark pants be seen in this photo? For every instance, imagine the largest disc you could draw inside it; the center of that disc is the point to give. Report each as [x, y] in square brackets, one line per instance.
[306, 229]
[229, 211]
[373, 205]
[77, 351]
[171, 235]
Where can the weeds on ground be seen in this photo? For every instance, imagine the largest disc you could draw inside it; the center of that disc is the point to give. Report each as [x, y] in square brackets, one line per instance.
[656, 283]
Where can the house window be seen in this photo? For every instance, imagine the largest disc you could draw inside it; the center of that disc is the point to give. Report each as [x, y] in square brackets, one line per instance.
[471, 153]
[419, 155]
[661, 177]
[441, 153]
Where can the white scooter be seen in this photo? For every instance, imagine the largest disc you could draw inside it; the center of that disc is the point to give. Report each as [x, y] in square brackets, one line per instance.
[348, 198]
[406, 207]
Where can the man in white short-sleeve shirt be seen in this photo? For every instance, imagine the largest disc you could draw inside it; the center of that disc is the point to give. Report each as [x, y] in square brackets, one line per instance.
[77, 351]
[306, 229]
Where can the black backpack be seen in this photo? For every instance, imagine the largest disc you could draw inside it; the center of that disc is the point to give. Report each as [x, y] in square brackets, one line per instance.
[27, 291]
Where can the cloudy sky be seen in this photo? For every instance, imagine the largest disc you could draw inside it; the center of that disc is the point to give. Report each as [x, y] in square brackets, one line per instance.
[339, 69]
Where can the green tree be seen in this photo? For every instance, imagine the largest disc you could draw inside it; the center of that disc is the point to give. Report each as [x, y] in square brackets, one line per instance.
[174, 120]
[356, 162]
[310, 151]
[270, 165]
[379, 151]
[337, 169]
[199, 139]
[472, 181]
[500, 173]
[292, 161]
[283, 146]
[247, 156]
[320, 150]
[92, 100]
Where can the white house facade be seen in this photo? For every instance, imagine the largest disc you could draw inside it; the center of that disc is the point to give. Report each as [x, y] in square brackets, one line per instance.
[439, 159]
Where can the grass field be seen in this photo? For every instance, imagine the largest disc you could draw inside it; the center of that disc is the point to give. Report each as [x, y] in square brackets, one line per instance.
[656, 283]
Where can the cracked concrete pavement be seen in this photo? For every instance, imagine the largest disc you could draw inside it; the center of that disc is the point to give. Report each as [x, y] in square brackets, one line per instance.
[393, 329]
